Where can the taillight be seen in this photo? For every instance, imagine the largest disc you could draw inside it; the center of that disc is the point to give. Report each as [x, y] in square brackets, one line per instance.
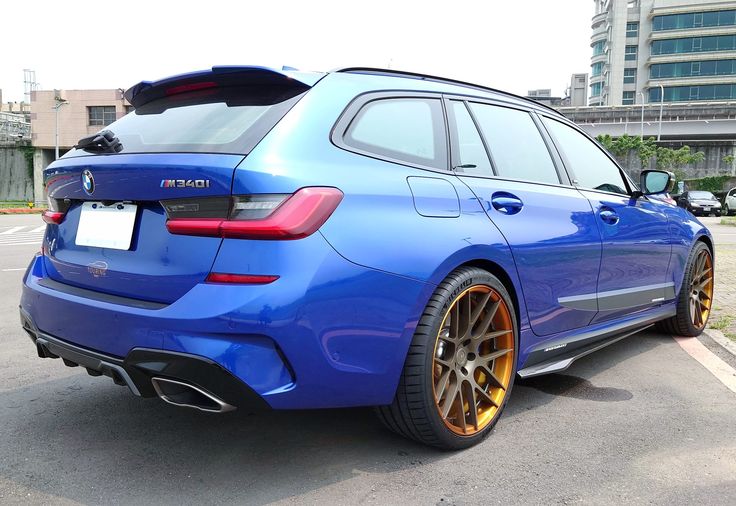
[264, 216]
[52, 218]
[56, 212]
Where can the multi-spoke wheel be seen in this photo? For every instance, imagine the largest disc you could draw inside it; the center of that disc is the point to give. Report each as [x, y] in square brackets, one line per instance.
[460, 366]
[696, 295]
[701, 288]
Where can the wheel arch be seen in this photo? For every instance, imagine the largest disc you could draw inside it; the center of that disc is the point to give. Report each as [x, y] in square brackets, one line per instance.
[502, 275]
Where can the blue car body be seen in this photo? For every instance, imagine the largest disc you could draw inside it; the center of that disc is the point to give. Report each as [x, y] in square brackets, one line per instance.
[334, 329]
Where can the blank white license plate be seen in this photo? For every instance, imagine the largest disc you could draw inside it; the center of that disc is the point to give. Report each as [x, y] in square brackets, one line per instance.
[106, 226]
[706, 209]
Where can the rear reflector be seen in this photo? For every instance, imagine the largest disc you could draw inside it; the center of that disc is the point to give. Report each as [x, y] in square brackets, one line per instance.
[53, 217]
[243, 279]
[262, 216]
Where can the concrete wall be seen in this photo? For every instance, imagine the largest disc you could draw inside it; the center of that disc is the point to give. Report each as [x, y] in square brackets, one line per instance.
[15, 181]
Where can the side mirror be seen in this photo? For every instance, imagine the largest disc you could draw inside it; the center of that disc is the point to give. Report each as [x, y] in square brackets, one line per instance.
[653, 182]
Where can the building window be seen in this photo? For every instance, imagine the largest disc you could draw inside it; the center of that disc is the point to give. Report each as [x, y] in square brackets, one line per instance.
[693, 93]
[630, 53]
[694, 20]
[596, 69]
[596, 89]
[629, 76]
[629, 97]
[694, 44]
[691, 69]
[632, 29]
[101, 115]
[598, 47]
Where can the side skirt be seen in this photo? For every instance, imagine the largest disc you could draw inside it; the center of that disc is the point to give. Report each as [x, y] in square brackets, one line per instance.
[556, 356]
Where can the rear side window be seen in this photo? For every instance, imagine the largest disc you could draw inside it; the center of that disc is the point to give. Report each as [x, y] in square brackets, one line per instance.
[222, 120]
[591, 167]
[401, 129]
[470, 149]
[517, 148]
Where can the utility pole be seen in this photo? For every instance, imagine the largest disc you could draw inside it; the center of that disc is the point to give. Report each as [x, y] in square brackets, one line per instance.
[661, 108]
[642, 114]
[59, 102]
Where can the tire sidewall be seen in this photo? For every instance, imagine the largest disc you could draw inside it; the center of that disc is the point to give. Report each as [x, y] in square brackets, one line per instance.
[458, 283]
[685, 289]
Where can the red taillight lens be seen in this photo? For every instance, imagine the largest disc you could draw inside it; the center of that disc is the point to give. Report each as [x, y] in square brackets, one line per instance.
[242, 279]
[259, 216]
[53, 217]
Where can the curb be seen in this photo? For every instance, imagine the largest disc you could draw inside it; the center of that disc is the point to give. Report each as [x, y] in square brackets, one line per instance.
[21, 210]
[726, 343]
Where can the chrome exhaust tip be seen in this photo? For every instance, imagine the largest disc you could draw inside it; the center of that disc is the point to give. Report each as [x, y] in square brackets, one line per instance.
[189, 396]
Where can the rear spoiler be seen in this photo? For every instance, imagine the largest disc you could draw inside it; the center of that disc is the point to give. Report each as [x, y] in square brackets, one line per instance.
[222, 76]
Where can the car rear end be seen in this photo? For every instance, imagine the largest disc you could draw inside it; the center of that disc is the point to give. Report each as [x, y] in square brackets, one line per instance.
[173, 267]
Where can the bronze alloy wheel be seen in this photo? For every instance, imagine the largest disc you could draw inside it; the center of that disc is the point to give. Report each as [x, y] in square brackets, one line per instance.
[473, 360]
[701, 289]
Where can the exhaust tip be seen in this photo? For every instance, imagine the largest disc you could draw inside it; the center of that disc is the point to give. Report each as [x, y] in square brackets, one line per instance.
[186, 395]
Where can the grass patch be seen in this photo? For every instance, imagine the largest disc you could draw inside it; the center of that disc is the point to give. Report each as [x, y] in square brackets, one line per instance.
[722, 323]
[728, 221]
[13, 204]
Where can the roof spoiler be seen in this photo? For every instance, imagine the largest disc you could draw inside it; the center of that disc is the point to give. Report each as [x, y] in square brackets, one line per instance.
[221, 76]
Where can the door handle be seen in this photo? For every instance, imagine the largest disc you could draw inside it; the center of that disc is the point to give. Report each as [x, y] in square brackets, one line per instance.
[609, 216]
[506, 203]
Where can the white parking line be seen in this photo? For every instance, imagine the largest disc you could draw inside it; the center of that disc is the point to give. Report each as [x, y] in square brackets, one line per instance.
[12, 230]
[717, 367]
[42, 228]
[13, 270]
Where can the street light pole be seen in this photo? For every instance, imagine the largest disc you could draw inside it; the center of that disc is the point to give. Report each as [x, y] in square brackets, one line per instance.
[661, 108]
[642, 114]
[59, 102]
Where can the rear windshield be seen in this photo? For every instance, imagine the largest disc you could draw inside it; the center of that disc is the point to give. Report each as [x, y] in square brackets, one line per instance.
[702, 195]
[224, 120]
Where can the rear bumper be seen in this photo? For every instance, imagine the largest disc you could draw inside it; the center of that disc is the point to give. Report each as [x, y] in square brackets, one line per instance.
[142, 365]
[328, 333]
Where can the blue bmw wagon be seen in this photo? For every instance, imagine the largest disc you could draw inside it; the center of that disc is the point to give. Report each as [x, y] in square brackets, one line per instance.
[251, 238]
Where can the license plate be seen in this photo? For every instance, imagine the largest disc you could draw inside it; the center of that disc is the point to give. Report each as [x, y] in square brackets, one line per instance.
[106, 226]
[706, 209]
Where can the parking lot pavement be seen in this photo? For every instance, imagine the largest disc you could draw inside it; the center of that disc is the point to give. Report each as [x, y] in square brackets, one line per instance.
[639, 422]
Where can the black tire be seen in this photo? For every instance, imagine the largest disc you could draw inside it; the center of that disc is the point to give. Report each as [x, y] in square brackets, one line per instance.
[682, 323]
[718, 214]
[414, 411]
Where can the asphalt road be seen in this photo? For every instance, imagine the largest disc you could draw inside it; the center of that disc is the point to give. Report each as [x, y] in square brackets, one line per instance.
[640, 422]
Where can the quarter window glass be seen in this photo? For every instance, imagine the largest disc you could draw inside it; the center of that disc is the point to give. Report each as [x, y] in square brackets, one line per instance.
[470, 146]
[592, 168]
[517, 148]
[405, 129]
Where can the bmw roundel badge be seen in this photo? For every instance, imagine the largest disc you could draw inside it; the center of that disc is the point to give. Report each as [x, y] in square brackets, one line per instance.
[88, 182]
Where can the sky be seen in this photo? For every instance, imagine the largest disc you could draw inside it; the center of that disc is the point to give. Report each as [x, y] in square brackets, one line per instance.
[514, 45]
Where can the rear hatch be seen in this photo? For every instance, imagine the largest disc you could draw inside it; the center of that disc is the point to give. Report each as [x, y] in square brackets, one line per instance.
[176, 152]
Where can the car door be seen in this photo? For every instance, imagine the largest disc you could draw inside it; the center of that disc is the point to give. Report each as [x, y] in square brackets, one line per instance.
[731, 200]
[634, 232]
[502, 155]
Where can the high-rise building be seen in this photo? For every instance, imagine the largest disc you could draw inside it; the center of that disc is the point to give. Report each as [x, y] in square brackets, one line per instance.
[685, 47]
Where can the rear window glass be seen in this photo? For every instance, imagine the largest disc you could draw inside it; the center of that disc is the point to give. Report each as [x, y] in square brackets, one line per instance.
[702, 195]
[227, 120]
[402, 129]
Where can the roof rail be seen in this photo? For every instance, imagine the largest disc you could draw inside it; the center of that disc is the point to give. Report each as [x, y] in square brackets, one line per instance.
[436, 79]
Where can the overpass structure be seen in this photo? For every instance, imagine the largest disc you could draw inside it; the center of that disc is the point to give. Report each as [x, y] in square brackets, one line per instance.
[14, 129]
[705, 126]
